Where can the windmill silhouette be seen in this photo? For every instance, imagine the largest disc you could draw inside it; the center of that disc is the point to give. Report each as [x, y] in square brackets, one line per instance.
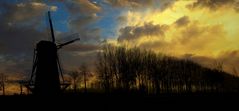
[46, 70]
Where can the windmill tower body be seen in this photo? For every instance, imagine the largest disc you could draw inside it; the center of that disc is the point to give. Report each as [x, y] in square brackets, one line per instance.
[47, 79]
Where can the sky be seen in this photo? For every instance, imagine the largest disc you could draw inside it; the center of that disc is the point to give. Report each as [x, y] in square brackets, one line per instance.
[205, 31]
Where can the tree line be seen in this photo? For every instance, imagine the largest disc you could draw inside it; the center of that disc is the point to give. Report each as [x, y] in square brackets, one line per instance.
[134, 69]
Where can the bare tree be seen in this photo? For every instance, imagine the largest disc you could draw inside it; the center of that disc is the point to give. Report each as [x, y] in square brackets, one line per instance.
[85, 73]
[3, 79]
[74, 75]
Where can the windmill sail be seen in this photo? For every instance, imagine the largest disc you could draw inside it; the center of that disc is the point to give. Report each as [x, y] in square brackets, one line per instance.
[69, 42]
[51, 26]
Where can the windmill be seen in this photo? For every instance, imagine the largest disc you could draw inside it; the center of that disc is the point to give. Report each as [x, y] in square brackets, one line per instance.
[46, 70]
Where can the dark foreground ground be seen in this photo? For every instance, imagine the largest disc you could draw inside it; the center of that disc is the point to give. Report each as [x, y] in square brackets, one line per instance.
[124, 101]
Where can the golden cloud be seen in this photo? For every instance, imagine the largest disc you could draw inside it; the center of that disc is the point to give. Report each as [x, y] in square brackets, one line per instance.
[197, 31]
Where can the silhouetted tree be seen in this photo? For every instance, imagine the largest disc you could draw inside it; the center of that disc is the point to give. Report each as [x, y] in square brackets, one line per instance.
[74, 75]
[3, 79]
[102, 69]
[86, 74]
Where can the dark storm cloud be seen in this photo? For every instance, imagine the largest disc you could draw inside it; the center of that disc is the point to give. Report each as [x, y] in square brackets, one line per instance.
[182, 21]
[121, 19]
[19, 40]
[164, 4]
[19, 34]
[19, 24]
[135, 32]
[215, 4]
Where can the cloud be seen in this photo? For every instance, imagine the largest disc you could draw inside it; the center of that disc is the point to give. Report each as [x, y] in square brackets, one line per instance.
[81, 47]
[135, 32]
[197, 35]
[19, 40]
[121, 19]
[84, 7]
[24, 12]
[141, 4]
[19, 24]
[215, 4]
[82, 16]
[182, 21]
[180, 37]
[165, 4]
[83, 13]
[230, 59]
[81, 21]
[198, 39]
[202, 60]
[130, 3]
[71, 60]
[19, 34]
